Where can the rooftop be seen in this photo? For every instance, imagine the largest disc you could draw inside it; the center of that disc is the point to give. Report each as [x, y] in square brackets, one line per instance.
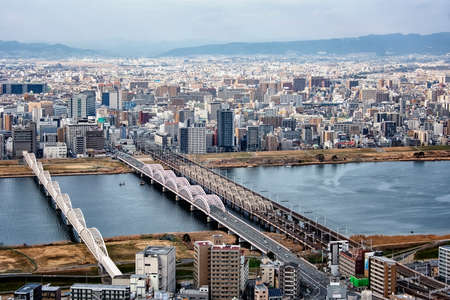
[157, 250]
[27, 288]
[98, 287]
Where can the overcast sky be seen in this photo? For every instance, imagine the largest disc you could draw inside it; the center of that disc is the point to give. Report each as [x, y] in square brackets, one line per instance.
[82, 21]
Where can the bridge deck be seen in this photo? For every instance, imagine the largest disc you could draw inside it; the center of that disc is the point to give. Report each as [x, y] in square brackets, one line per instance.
[90, 236]
[310, 275]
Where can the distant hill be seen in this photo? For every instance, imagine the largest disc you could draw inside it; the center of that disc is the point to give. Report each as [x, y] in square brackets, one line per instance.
[389, 44]
[14, 49]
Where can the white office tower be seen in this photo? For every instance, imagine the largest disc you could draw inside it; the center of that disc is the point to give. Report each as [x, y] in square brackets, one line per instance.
[444, 263]
[334, 247]
[158, 264]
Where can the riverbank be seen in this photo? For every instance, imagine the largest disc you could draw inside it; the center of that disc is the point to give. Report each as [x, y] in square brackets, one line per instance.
[65, 257]
[66, 167]
[312, 157]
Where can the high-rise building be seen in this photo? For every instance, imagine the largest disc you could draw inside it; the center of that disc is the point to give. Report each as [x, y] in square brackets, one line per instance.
[158, 264]
[388, 128]
[82, 105]
[2, 147]
[299, 84]
[268, 272]
[290, 280]
[193, 140]
[186, 116]
[225, 131]
[95, 140]
[7, 122]
[382, 276]
[253, 139]
[225, 271]
[202, 263]
[444, 263]
[73, 130]
[79, 145]
[213, 107]
[24, 139]
[22, 88]
[219, 266]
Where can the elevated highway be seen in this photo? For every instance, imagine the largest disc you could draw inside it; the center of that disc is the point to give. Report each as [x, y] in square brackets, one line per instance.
[258, 208]
[212, 206]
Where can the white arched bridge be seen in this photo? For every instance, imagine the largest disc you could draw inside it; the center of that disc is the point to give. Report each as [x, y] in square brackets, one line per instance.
[73, 216]
[214, 208]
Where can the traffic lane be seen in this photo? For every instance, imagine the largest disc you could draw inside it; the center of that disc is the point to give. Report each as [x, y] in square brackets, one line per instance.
[311, 275]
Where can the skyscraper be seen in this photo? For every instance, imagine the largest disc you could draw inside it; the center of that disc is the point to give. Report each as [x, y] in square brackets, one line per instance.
[82, 105]
[193, 140]
[444, 263]
[24, 139]
[218, 265]
[225, 131]
[253, 139]
[382, 276]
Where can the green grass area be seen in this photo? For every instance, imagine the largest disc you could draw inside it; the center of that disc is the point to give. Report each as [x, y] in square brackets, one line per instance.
[316, 258]
[253, 262]
[127, 268]
[437, 147]
[183, 274]
[428, 253]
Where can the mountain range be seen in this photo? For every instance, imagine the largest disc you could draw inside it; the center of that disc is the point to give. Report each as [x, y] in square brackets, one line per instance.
[388, 44]
[391, 44]
[14, 49]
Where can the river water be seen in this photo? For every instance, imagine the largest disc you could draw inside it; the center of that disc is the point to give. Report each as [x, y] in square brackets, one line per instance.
[365, 198]
[27, 217]
[385, 198]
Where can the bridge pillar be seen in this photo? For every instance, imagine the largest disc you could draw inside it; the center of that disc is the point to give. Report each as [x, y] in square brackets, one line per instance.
[177, 198]
[142, 175]
[152, 181]
[163, 189]
[208, 219]
[192, 208]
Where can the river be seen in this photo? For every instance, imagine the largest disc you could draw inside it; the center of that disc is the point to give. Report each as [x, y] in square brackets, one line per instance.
[367, 198]
[364, 198]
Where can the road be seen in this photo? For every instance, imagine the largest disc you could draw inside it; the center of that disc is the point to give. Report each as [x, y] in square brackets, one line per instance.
[316, 280]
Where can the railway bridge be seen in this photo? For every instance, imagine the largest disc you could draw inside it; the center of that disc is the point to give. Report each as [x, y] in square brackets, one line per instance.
[258, 208]
[213, 207]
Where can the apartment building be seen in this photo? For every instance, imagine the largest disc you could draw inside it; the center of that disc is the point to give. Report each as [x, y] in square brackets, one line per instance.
[382, 276]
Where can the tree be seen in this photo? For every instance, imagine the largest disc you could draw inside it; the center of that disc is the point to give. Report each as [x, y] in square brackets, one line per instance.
[420, 154]
[320, 157]
[271, 255]
[186, 238]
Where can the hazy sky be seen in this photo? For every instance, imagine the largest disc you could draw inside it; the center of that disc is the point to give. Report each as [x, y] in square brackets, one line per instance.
[84, 21]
